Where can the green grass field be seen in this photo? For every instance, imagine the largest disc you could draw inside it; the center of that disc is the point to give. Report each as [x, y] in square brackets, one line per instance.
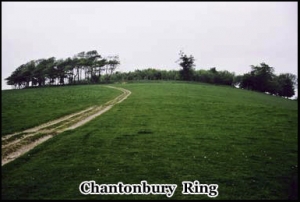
[166, 133]
[22, 109]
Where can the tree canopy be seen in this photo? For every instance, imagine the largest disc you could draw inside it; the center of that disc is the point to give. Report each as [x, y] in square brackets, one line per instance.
[84, 67]
[187, 64]
[262, 78]
[91, 67]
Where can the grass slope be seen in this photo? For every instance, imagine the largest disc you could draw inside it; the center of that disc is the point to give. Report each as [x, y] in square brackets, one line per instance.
[22, 109]
[245, 142]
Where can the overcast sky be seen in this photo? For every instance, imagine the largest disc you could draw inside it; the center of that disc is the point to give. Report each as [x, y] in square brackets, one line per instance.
[226, 35]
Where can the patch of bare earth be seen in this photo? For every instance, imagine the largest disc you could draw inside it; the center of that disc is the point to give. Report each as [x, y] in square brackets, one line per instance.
[15, 145]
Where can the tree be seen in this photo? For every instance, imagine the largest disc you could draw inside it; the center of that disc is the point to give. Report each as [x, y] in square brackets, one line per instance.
[286, 83]
[92, 58]
[260, 78]
[50, 70]
[60, 66]
[16, 78]
[226, 78]
[113, 62]
[39, 72]
[26, 73]
[247, 81]
[187, 64]
[237, 80]
[263, 77]
[80, 63]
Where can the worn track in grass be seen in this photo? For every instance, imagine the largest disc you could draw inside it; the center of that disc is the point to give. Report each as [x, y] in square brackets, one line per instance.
[14, 145]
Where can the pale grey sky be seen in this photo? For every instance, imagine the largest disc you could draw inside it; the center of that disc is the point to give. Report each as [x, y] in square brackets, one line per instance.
[226, 35]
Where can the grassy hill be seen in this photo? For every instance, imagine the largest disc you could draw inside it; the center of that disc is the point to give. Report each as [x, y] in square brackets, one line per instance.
[22, 109]
[166, 133]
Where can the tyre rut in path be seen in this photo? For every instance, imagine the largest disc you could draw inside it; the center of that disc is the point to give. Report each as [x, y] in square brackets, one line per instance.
[14, 145]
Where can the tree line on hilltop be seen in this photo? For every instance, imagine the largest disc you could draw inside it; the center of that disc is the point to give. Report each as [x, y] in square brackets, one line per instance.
[90, 67]
[260, 78]
[84, 67]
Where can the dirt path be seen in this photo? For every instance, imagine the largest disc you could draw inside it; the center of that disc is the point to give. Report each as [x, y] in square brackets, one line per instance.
[14, 145]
